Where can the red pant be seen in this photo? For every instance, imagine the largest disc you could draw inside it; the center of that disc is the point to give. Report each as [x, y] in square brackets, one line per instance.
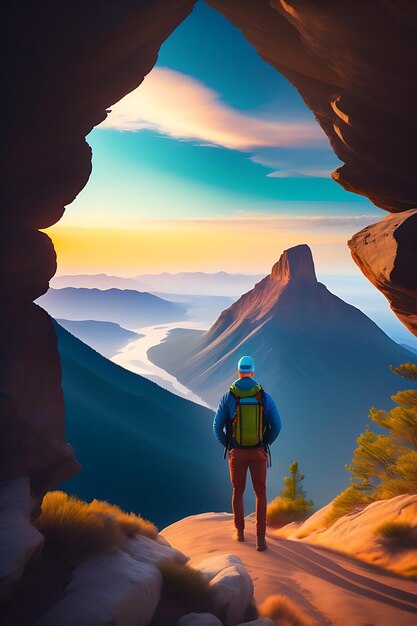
[240, 459]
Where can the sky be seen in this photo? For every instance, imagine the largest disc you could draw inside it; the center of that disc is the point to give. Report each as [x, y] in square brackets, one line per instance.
[213, 163]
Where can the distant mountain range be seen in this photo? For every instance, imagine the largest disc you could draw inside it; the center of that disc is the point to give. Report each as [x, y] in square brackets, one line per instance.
[199, 308]
[185, 283]
[323, 360]
[97, 281]
[105, 337]
[139, 445]
[201, 283]
[128, 308]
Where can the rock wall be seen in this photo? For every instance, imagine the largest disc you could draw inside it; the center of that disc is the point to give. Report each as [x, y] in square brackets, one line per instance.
[66, 63]
[354, 64]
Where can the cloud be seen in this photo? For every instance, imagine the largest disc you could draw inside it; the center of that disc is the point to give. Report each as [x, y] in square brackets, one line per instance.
[177, 105]
[344, 223]
[300, 173]
[293, 162]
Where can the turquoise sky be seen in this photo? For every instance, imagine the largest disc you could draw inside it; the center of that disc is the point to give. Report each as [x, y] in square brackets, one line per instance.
[150, 174]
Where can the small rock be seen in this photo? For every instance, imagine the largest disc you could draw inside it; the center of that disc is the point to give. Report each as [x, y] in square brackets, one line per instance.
[161, 540]
[261, 621]
[215, 564]
[147, 550]
[108, 590]
[232, 594]
[199, 619]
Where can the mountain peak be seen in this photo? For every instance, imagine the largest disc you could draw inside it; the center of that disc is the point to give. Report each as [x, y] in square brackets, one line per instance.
[295, 264]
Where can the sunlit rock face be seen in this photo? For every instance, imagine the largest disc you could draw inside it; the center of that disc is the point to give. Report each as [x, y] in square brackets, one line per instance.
[386, 254]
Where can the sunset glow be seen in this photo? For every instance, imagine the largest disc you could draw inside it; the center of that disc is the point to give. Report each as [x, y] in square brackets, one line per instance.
[245, 244]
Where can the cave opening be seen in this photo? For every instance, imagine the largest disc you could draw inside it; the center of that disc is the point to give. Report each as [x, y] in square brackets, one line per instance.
[194, 163]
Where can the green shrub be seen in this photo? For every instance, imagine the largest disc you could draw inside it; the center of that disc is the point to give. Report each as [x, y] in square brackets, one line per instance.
[282, 511]
[282, 611]
[188, 587]
[292, 505]
[74, 529]
[351, 500]
[397, 534]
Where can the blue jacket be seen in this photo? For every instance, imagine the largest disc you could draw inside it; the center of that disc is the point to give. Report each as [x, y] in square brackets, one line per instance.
[227, 410]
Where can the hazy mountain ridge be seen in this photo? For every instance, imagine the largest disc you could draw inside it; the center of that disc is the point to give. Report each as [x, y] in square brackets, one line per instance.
[126, 307]
[201, 283]
[104, 337]
[97, 281]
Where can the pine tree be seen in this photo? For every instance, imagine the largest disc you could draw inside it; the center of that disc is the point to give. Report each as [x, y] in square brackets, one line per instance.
[292, 505]
[384, 465]
[373, 461]
[293, 489]
[407, 371]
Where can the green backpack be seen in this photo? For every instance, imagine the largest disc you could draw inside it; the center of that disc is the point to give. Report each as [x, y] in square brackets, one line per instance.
[248, 425]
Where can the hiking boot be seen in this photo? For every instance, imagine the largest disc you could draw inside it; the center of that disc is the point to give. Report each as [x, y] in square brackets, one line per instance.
[260, 543]
[238, 535]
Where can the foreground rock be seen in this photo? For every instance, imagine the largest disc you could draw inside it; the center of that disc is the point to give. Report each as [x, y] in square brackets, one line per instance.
[20, 542]
[199, 619]
[261, 621]
[233, 592]
[231, 586]
[122, 588]
[108, 589]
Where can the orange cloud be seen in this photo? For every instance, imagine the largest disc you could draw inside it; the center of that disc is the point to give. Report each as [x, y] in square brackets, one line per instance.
[180, 106]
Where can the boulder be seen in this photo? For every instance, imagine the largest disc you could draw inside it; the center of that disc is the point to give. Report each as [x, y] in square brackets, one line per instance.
[145, 550]
[20, 541]
[232, 594]
[108, 590]
[199, 619]
[261, 621]
[215, 564]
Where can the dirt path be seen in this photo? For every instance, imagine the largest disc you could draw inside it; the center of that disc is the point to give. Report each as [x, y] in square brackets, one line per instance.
[330, 588]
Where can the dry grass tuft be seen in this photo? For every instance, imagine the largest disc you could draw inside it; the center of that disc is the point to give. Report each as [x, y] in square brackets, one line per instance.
[398, 535]
[281, 511]
[74, 529]
[129, 523]
[282, 611]
[185, 585]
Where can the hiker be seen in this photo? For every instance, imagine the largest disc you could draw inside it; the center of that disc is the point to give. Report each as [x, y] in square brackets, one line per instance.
[247, 421]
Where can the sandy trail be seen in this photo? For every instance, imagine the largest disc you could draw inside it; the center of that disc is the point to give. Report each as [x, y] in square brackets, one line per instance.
[329, 587]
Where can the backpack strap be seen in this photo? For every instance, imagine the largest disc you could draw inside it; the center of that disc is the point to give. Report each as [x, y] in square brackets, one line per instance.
[259, 398]
[236, 420]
